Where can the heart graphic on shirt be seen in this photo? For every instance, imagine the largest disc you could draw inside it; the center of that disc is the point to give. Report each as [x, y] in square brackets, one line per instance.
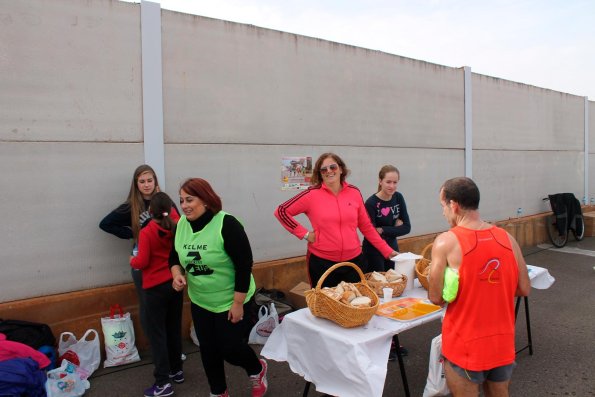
[385, 211]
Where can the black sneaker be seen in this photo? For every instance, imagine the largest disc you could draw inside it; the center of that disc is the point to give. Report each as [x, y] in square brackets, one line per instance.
[178, 377]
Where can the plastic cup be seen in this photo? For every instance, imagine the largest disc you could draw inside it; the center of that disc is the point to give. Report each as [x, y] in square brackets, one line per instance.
[387, 293]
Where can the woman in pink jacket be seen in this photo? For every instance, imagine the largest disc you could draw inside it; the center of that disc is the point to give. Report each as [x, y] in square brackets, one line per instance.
[336, 210]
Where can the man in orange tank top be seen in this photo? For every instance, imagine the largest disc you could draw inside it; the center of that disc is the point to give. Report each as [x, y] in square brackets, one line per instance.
[478, 327]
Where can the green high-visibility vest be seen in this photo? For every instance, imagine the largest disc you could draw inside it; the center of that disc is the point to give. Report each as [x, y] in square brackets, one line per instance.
[210, 273]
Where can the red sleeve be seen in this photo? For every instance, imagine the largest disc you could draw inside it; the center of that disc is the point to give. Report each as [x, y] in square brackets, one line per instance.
[287, 211]
[141, 260]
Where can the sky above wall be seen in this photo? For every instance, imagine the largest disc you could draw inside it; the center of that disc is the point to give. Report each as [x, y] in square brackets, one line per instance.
[546, 43]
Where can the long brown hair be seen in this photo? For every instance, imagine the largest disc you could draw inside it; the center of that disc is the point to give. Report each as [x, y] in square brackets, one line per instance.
[200, 188]
[135, 198]
[316, 179]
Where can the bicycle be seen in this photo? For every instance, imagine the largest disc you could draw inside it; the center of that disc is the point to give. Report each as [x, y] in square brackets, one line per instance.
[557, 224]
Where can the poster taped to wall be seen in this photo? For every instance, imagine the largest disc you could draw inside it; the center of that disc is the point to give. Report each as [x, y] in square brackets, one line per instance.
[296, 173]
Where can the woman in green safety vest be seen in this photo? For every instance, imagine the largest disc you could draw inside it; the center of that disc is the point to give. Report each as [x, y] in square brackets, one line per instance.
[212, 256]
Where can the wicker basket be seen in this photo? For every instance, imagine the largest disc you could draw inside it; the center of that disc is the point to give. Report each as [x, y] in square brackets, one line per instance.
[398, 286]
[421, 264]
[347, 316]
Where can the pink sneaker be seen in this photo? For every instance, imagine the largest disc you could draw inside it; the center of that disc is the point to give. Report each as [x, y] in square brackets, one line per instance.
[225, 394]
[259, 382]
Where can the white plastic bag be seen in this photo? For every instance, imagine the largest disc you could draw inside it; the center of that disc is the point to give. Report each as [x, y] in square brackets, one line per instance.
[268, 320]
[118, 336]
[85, 351]
[66, 381]
[436, 383]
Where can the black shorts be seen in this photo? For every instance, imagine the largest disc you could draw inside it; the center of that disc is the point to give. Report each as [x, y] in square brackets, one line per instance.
[498, 374]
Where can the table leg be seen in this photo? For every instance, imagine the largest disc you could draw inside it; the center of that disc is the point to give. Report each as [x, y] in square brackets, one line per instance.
[527, 320]
[401, 366]
[306, 389]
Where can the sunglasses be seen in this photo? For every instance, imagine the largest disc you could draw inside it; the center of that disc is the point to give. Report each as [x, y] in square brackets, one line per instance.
[332, 167]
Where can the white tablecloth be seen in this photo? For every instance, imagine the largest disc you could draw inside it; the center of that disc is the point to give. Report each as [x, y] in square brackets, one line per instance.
[350, 362]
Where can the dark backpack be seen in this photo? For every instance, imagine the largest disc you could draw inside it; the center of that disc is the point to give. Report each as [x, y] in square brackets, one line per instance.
[31, 334]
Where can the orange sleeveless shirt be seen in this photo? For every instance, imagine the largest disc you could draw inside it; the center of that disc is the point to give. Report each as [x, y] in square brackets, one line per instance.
[478, 328]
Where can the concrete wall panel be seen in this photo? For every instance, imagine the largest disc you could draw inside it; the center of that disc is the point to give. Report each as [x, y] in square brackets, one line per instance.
[509, 115]
[591, 122]
[515, 179]
[234, 83]
[54, 196]
[71, 71]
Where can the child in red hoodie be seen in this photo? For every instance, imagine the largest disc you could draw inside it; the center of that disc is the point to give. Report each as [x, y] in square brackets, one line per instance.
[163, 303]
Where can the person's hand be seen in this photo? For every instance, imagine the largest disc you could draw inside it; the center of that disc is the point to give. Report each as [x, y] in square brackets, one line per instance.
[379, 230]
[179, 282]
[399, 222]
[393, 254]
[311, 237]
[236, 312]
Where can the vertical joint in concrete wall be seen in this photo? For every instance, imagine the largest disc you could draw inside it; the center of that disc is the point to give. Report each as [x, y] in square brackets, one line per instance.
[152, 88]
[586, 198]
[468, 122]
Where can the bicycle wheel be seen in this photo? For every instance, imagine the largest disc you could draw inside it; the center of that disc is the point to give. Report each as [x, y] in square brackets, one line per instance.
[579, 228]
[558, 240]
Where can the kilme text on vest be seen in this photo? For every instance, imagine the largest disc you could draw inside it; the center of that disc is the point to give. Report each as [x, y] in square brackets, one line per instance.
[195, 247]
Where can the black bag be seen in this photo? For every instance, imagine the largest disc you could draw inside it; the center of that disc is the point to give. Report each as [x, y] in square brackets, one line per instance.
[265, 296]
[31, 334]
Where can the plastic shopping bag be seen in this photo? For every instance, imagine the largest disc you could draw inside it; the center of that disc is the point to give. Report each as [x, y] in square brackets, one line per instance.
[66, 381]
[118, 335]
[268, 320]
[436, 383]
[83, 352]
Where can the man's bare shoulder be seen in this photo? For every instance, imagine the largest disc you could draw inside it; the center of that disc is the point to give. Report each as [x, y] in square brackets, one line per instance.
[445, 240]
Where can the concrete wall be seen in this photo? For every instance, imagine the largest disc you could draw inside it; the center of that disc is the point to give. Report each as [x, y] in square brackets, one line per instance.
[528, 142]
[261, 94]
[70, 114]
[591, 170]
[236, 98]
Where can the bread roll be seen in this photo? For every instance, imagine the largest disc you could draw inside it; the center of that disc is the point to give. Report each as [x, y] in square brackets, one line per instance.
[375, 276]
[361, 301]
[392, 276]
[347, 297]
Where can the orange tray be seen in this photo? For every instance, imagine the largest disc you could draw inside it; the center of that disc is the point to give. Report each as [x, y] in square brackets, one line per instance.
[407, 309]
